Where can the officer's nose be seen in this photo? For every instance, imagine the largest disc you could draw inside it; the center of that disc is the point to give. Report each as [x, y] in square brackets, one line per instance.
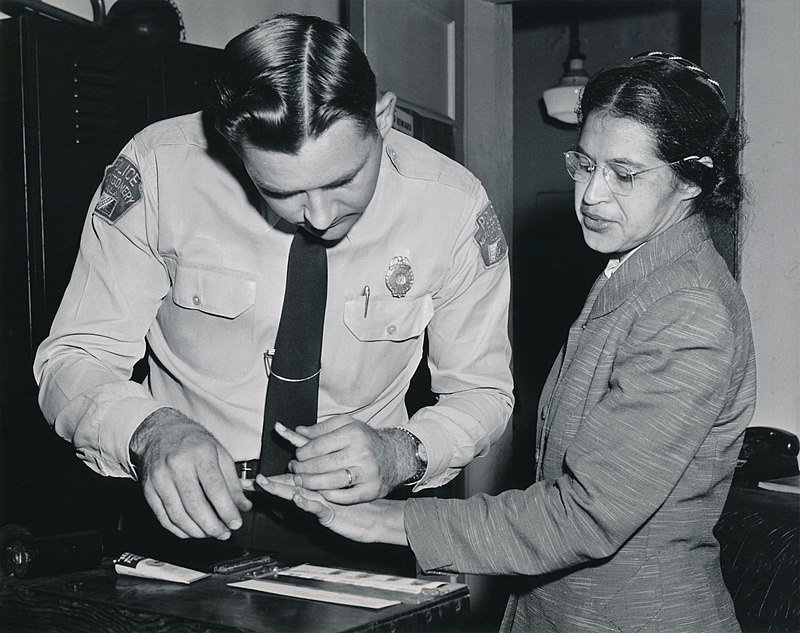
[318, 211]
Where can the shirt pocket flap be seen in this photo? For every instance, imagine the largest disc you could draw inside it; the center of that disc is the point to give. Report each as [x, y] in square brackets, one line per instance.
[387, 319]
[225, 293]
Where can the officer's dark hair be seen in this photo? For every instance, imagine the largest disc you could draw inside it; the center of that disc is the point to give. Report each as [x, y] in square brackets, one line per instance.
[685, 110]
[288, 79]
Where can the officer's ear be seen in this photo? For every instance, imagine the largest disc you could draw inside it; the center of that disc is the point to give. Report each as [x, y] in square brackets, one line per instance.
[384, 113]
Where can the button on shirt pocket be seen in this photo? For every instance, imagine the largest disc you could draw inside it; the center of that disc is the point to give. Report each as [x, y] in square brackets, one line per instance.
[209, 322]
[388, 319]
[217, 292]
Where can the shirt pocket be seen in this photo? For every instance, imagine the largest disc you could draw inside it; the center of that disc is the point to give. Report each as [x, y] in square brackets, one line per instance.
[209, 323]
[383, 348]
[218, 292]
[385, 319]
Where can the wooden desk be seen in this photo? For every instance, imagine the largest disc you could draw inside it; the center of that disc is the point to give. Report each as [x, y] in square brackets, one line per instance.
[100, 601]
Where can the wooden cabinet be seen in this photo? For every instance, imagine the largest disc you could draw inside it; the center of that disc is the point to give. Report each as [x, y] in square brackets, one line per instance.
[71, 96]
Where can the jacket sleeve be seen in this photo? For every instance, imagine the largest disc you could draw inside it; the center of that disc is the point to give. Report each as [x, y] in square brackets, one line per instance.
[83, 368]
[666, 391]
[469, 352]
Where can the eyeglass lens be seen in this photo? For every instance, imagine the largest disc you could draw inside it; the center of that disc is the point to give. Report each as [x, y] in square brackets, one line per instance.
[580, 168]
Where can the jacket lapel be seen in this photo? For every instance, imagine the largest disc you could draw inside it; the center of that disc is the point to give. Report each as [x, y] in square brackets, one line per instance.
[662, 250]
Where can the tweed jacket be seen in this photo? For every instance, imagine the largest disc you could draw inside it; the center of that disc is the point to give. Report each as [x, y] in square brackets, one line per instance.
[640, 424]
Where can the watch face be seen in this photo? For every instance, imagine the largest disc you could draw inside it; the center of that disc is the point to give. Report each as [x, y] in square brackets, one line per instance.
[422, 453]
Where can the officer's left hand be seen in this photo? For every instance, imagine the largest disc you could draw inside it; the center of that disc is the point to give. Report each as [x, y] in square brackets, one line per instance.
[345, 460]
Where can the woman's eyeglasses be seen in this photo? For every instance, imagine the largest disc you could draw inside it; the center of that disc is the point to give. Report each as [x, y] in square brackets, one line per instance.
[620, 179]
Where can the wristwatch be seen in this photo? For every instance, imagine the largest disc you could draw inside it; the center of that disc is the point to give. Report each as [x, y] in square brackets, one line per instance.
[420, 455]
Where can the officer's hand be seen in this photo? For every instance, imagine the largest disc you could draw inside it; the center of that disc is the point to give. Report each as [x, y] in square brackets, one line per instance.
[188, 478]
[380, 521]
[346, 460]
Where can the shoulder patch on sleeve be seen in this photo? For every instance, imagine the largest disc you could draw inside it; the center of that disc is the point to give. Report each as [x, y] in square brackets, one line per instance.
[122, 188]
[489, 237]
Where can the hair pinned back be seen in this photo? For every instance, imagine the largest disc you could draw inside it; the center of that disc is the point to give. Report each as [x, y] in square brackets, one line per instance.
[701, 74]
[289, 78]
[685, 110]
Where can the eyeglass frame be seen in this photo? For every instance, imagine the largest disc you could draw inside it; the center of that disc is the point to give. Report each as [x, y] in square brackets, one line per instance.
[629, 174]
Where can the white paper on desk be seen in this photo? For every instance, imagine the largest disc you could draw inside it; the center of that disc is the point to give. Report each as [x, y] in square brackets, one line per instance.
[361, 578]
[312, 593]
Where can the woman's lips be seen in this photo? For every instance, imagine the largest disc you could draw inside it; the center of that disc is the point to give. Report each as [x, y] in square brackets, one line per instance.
[595, 222]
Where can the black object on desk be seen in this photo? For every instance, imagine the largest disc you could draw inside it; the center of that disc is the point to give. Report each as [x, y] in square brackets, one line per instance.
[759, 535]
[767, 453]
[98, 600]
[27, 556]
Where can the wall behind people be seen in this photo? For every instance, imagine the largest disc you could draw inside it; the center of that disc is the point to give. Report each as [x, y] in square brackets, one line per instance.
[214, 23]
[770, 262]
[210, 23]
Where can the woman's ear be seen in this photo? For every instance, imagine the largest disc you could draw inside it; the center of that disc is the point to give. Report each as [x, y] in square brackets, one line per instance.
[690, 190]
[384, 113]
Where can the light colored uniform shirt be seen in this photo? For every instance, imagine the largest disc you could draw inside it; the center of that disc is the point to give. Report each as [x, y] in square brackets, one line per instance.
[179, 249]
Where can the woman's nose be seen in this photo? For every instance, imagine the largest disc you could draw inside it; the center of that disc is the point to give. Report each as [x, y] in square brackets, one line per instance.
[597, 188]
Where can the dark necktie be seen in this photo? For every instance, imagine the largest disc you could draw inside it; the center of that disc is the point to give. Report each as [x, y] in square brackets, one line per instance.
[293, 387]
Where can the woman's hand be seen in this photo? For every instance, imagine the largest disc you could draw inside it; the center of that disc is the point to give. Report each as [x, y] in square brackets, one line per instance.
[374, 522]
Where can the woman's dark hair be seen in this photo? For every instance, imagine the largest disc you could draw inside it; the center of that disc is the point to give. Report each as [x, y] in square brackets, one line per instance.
[288, 79]
[685, 110]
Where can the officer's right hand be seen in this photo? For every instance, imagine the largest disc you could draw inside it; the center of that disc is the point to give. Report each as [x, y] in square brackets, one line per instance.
[189, 479]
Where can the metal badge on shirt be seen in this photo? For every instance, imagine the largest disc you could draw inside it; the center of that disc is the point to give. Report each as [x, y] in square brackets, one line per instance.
[489, 237]
[399, 277]
[122, 188]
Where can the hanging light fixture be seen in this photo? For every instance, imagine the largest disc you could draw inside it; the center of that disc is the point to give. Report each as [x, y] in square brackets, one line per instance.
[561, 100]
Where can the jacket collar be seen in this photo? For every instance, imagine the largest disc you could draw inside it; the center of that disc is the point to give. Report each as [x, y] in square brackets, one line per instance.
[658, 252]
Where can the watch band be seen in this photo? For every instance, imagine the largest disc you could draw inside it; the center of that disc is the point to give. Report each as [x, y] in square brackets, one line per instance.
[421, 461]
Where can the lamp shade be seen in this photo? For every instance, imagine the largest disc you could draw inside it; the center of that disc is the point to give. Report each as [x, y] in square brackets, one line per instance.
[562, 100]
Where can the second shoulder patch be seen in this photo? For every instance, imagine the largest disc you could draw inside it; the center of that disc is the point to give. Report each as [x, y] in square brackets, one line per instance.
[489, 237]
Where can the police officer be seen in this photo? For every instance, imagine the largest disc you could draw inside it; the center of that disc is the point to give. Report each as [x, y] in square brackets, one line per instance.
[184, 254]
